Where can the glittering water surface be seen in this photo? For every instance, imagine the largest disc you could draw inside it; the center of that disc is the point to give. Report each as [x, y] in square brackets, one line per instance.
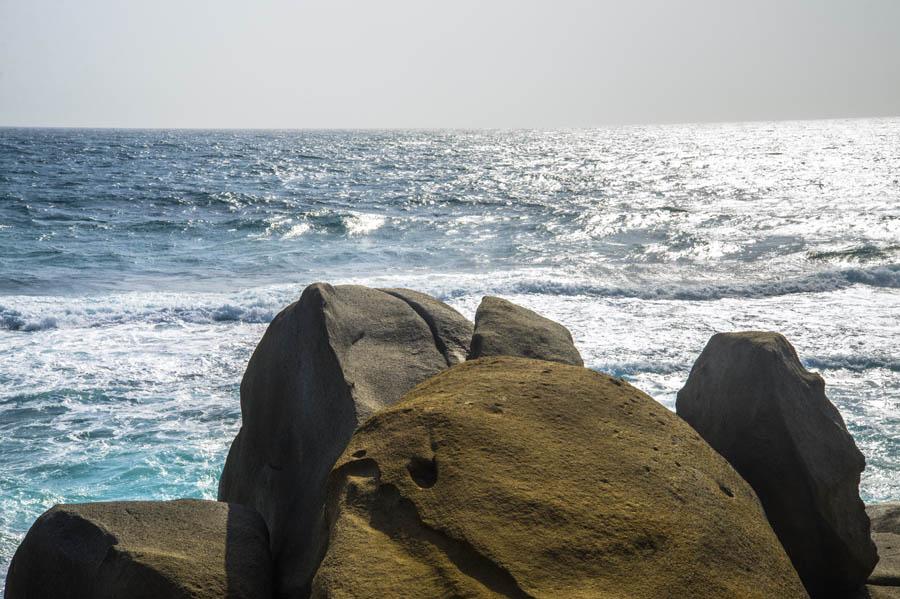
[138, 269]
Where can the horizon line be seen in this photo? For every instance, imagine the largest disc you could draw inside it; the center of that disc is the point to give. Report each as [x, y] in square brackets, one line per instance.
[458, 128]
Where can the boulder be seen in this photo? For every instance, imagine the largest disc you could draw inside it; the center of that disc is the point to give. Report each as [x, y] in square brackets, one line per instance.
[504, 329]
[452, 332]
[885, 519]
[184, 549]
[514, 477]
[880, 592]
[752, 400]
[326, 363]
[871, 591]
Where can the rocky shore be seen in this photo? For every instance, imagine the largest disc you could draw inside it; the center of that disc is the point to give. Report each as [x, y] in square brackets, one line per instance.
[392, 448]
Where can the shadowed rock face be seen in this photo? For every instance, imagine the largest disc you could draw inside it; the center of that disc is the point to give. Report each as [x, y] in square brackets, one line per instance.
[752, 400]
[523, 478]
[325, 363]
[504, 329]
[185, 549]
[885, 519]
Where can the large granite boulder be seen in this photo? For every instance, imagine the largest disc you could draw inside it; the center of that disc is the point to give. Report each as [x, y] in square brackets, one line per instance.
[326, 363]
[885, 519]
[504, 329]
[518, 478]
[752, 400]
[184, 549]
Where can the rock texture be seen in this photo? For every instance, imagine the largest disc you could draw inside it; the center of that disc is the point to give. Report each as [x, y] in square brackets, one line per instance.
[523, 478]
[885, 519]
[185, 549]
[752, 400]
[504, 329]
[451, 331]
[880, 592]
[326, 363]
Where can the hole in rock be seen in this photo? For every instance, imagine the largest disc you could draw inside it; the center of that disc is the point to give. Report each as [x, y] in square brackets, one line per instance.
[423, 472]
[726, 490]
[359, 453]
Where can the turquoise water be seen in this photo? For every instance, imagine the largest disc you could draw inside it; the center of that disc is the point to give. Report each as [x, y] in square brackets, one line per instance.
[138, 269]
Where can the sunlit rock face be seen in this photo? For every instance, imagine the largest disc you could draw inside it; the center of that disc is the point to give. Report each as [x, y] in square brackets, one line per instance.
[510, 477]
[749, 396]
[885, 519]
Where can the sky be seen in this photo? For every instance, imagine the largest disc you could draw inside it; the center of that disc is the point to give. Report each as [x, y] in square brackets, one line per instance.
[460, 63]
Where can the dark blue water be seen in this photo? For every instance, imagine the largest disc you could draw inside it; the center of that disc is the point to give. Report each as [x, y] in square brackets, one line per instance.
[138, 269]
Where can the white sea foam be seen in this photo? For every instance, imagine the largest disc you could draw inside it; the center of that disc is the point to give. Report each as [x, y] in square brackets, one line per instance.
[358, 223]
[297, 230]
[644, 241]
[29, 314]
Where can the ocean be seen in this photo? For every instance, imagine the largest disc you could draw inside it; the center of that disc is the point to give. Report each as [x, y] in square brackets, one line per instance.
[139, 268]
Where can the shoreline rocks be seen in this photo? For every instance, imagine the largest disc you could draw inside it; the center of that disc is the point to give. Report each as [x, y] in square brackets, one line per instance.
[523, 478]
[391, 447]
[189, 549]
[749, 396]
[325, 364]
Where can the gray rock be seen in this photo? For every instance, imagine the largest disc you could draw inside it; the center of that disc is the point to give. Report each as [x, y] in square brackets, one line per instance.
[752, 400]
[185, 549]
[325, 364]
[885, 519]
[504, 329]
[451, 330]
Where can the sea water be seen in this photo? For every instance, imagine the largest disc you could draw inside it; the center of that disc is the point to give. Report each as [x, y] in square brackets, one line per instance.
[138, 270]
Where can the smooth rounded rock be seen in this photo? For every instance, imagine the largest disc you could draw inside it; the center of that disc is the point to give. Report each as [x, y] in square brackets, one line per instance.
[503, 328]
[184, 549]
[749, 396]
[522, 478]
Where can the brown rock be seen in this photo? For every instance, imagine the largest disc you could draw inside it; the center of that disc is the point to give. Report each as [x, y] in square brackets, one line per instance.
[184, 549]
[885, 519]
[523, 478]
[752, 400]
[878, 592]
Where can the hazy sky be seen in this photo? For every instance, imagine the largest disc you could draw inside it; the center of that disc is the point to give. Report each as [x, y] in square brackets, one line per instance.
[457, 63]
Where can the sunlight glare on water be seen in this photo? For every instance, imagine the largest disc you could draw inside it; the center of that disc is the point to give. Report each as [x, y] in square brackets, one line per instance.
[140, 268]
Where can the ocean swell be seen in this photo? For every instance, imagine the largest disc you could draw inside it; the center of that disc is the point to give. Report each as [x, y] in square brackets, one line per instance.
[886, 276]
[45, 314]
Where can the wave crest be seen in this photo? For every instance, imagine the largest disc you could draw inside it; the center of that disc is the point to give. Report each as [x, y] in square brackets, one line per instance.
[887, 276]
[13, 320]
[47, 314]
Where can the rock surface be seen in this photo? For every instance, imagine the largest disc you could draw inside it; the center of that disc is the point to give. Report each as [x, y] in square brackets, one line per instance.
[326, 363]
[452, 332]
[752, 400]
[871, 591]
[184, 549]
[504, 329]
[519, 478]
[881, 592]
[885, 519]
